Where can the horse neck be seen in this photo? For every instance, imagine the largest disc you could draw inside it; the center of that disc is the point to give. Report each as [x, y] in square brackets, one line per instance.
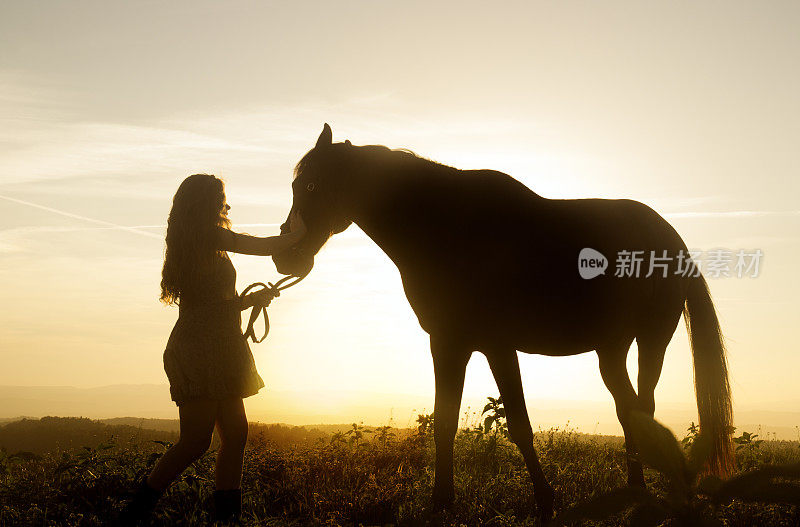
[382, 204]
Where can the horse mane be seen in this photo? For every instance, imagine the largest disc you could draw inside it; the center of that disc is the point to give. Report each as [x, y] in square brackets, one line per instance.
[398, 155]
[378, 153]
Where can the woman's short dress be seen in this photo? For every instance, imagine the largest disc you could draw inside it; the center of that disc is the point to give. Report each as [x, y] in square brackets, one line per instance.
[206, 356]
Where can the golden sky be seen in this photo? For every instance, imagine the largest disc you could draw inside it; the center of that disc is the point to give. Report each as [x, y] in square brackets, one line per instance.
[105, 107]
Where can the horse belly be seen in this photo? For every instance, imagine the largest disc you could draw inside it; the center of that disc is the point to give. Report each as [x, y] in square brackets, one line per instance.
[533, 320]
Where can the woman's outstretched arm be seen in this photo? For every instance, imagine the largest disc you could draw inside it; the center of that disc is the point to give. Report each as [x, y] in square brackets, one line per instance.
[228, 240]
[246, 244]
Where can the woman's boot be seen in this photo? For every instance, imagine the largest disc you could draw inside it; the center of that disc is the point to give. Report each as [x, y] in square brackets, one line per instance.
[227, 505]
[139, 509]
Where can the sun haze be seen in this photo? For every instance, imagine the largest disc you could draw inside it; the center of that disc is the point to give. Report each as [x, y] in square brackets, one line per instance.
[108, 106]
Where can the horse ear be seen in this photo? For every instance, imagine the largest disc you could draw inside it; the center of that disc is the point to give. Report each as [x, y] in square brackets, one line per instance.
[326, 137]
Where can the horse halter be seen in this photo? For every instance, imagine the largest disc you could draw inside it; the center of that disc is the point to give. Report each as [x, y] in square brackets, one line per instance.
[274, 292]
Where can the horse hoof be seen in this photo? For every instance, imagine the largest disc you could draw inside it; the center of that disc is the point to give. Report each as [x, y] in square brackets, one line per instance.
[545, 499]
[442, 502]
[544, 513]
[637, 481]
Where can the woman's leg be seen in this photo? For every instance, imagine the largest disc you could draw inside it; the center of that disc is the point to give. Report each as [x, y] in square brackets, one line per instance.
[232, 430]
[197, 424]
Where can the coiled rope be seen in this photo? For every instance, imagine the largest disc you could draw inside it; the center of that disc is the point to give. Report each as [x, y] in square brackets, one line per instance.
[261, 308]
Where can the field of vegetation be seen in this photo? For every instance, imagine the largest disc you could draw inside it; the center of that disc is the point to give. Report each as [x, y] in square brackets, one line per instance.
[383, 476]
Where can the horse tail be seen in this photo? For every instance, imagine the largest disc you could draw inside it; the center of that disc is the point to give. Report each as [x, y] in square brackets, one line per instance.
[711, 384]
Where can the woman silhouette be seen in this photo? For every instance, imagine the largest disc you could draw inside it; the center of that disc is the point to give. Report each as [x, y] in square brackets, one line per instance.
[207, 359]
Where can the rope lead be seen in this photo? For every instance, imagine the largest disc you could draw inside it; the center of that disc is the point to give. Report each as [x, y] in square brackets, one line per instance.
[274, 292]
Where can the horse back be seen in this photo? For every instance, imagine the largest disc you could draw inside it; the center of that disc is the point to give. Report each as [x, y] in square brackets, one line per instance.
[494, 258]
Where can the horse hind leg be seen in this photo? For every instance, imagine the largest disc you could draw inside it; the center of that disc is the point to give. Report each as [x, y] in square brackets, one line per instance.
[652, 342]
[615, 376]
[505, 368]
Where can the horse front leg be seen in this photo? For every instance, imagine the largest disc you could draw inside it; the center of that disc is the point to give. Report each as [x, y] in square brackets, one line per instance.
[449, 367]
[505, 368]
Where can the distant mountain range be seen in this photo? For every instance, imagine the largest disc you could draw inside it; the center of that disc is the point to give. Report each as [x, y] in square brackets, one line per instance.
[150, 406]
[55, 434]
[150, 400]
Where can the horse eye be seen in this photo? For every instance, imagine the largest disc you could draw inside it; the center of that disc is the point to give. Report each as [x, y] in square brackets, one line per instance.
[310, 187]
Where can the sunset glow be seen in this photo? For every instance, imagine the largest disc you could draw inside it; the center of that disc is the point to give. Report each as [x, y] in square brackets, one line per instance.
[693, 111]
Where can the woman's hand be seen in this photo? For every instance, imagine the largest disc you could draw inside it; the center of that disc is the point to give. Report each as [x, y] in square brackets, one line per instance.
[296, 224]
[262, 297]
[246, 244]
[259, 298]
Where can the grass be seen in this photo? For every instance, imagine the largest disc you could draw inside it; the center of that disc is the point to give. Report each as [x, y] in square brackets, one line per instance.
[361, 477]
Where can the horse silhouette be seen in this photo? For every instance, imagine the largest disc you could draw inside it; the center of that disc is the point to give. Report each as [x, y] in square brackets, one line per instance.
[488, 265]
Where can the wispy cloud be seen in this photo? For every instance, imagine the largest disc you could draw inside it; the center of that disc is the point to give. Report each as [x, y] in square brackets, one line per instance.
[107, 224]
[735, 214]
[259, 139]
[59, 228]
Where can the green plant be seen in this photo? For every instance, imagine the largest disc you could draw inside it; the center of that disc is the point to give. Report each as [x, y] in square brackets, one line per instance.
[384, 435]
[748, 450]
[691, 434]
[496, 420]
[424, 424]
[356, 433]
[748, 441]
[296, 477]
[338, 438]
[689, 499]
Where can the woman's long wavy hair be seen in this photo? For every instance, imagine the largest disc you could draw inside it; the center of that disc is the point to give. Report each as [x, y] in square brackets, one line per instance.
[197, 210]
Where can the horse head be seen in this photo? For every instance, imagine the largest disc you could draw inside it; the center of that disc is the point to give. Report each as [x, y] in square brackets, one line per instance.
[318, 195]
